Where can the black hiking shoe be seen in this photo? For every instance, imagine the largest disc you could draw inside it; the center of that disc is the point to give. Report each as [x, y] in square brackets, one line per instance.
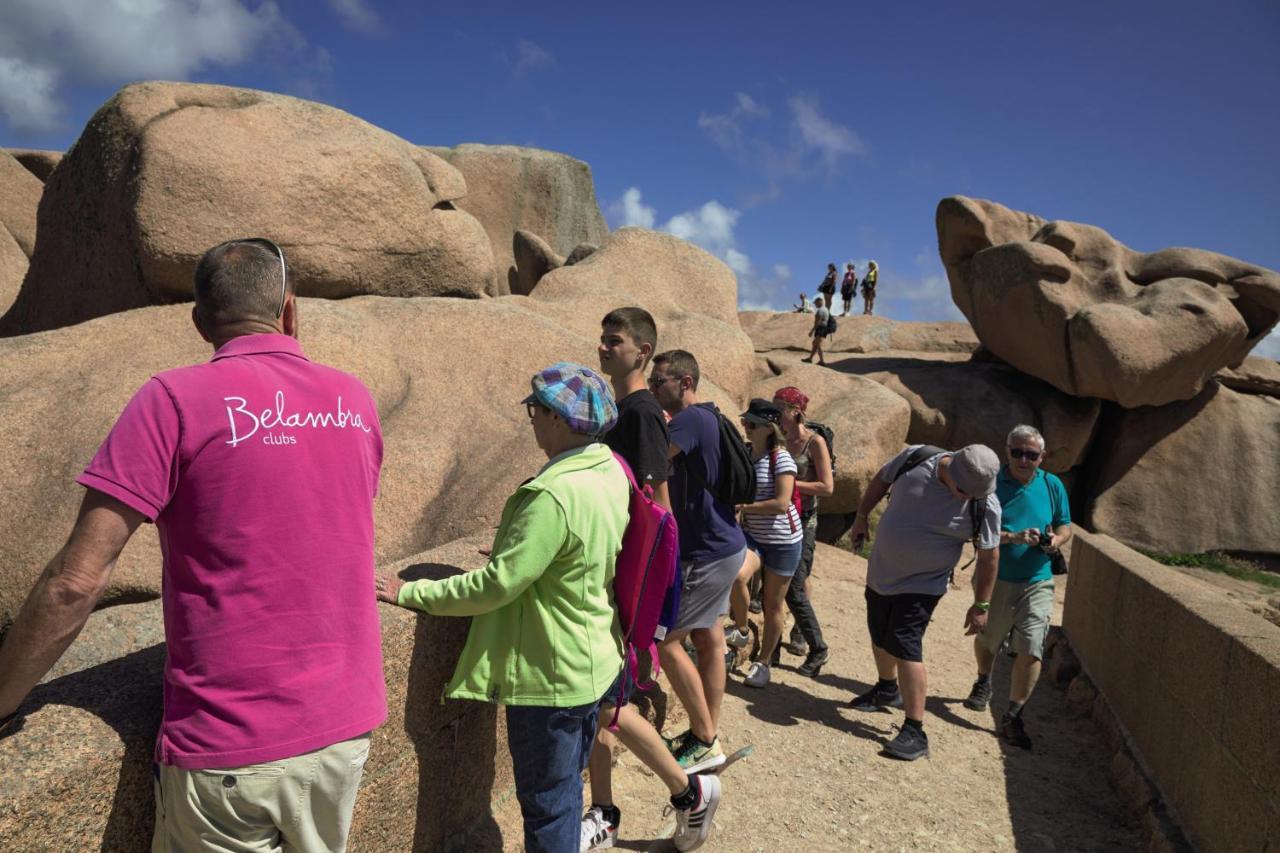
[979, 696]
[796, 644]
[813, 663]
[1014, 732]
[877, 699]
[910, 744]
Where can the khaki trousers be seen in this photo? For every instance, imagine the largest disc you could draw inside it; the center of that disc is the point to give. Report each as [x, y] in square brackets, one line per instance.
[303, 803]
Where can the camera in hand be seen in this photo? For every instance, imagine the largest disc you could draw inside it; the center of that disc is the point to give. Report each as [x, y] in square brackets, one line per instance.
[1057, 562]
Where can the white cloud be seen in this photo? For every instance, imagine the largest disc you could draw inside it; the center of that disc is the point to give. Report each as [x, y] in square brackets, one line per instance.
[630, 210]
[45, 42]
[819, 133]
[710, 226]
[781, 271]
[530, 57]
[357, 15]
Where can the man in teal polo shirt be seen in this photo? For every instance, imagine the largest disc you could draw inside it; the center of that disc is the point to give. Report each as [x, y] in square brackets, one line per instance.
[1034, 521]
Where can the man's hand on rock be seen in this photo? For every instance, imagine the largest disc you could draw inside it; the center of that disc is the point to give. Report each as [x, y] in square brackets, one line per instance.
[387, 587]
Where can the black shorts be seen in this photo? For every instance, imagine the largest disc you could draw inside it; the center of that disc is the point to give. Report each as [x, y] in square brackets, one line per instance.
[897, 622]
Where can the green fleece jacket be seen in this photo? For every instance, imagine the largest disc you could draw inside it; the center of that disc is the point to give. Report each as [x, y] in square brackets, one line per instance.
[545, 631]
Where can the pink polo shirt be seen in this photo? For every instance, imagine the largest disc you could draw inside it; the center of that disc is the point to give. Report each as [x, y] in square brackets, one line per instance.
[259, 469]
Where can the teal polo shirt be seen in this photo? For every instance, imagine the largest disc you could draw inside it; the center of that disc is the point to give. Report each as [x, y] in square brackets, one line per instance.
[1039, 504]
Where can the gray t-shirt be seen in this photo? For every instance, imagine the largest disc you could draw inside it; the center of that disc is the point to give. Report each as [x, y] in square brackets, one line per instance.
[923, 530]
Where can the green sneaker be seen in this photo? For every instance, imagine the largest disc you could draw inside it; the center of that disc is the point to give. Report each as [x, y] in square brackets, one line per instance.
[694, 757]
[674, 743]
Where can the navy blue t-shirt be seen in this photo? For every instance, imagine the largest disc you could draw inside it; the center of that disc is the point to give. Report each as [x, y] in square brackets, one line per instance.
[708, 529]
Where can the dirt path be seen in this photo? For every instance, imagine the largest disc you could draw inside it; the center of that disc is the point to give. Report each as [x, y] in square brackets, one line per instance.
[816, 780]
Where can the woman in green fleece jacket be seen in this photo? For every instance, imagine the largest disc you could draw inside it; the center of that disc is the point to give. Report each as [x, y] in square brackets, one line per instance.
[544, 640]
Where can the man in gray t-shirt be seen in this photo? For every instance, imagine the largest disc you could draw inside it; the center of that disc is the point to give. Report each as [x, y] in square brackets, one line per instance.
[938, 503]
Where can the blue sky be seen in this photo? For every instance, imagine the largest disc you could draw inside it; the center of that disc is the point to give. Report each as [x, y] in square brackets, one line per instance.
[780, 137]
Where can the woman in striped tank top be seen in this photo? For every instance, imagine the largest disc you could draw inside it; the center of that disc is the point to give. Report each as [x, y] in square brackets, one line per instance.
[773, 532]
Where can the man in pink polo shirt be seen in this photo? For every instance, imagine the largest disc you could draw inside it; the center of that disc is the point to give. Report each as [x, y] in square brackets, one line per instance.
[259, 469]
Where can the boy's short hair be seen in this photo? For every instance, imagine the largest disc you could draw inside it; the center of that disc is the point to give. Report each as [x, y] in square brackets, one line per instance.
[681, 364]
[636, 322]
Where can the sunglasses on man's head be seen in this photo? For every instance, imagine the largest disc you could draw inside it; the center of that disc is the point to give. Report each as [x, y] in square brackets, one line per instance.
[1027, 455]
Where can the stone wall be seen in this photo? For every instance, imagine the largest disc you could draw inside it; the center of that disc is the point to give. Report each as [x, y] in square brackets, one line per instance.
[1194, 680]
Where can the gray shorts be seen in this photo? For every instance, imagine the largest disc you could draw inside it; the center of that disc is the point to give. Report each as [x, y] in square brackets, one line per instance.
[704, 595]
[1023, 609]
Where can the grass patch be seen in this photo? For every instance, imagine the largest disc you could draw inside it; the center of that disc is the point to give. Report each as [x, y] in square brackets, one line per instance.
[1216, 561]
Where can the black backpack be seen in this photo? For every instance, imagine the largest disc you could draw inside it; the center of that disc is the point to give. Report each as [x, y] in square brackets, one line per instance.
[737, 482]
[829, 437]
[831, 325]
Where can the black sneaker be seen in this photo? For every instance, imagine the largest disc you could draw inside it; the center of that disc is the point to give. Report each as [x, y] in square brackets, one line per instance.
[910, 744]
[796, 644]
[979, 696]
[1014, 732]
[756, 606]
[813, 663]
[877, 699]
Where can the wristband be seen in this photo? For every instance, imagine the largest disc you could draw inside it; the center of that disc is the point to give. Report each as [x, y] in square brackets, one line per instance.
[984, 606]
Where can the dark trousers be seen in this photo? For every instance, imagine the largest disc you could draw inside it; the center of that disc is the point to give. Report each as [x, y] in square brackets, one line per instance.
[549, 751]
[797, 599]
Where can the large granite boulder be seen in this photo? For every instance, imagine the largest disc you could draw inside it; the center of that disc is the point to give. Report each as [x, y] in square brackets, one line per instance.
[534, 259]
[20, 193]
[691, 294]
[868, 422]
[954, 404]
[1069, 304]
[37, 161]
[1255, 375]
[514, 189]
[775, 330]
[78, 774]
[1190, 477]
[163, 171]
[13, 268]
[448, 385]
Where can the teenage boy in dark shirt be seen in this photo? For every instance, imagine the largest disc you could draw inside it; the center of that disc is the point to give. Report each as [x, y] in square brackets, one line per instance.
[628, 337]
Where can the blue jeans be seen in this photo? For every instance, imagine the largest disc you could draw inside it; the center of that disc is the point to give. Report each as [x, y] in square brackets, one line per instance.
[549, 750]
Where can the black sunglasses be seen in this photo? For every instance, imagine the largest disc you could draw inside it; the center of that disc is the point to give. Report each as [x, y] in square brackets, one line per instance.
[1028, 455]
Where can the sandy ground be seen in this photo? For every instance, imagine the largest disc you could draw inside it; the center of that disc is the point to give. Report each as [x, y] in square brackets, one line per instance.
[816, 780]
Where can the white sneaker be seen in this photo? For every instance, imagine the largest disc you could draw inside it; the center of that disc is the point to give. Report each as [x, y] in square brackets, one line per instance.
[597, 832]
[694, 825]
[759, 675]
[736, 637]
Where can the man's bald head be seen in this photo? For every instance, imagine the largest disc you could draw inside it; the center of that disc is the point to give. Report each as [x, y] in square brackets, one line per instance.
[241, 280]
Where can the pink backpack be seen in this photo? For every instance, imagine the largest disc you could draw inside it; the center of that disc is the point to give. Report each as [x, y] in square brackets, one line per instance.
[647, 570]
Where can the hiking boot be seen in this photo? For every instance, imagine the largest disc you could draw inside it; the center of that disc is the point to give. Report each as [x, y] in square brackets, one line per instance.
[736, 637]
[813, 663]
[796, 644]
[910, 744]
[756, 606]
[693, 826]
[877, 699]
[758, 677]
[979, 696]
[597, 832]
[694, 757]
[1014, 732]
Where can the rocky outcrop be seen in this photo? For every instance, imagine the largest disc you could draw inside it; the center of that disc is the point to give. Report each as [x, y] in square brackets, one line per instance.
[36, 161]
[1190, 477]
[954, 404]
[514, 189]
[534, 259]
[20, 193]
[691, 294]
[1255, 375]
[773, 330]
[163, 171]
[1069, 304]
[868, 422]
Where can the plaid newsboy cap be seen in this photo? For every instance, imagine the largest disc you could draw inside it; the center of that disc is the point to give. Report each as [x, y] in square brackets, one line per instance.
[577, 394]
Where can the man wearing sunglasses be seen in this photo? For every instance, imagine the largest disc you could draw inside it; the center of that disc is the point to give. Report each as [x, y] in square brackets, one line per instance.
[259, 470]
[1035, 522]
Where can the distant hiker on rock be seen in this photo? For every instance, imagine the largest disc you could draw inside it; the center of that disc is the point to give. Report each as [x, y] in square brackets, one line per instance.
[771, 525]
[819, 331]
[815, 479]
[828, 286]
[848, 287]
[712, 550]
[803, 307]
[543, 638]
[259, 470]
[1035, 521]
[628, 337]
[939, 501]
[869, 288]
